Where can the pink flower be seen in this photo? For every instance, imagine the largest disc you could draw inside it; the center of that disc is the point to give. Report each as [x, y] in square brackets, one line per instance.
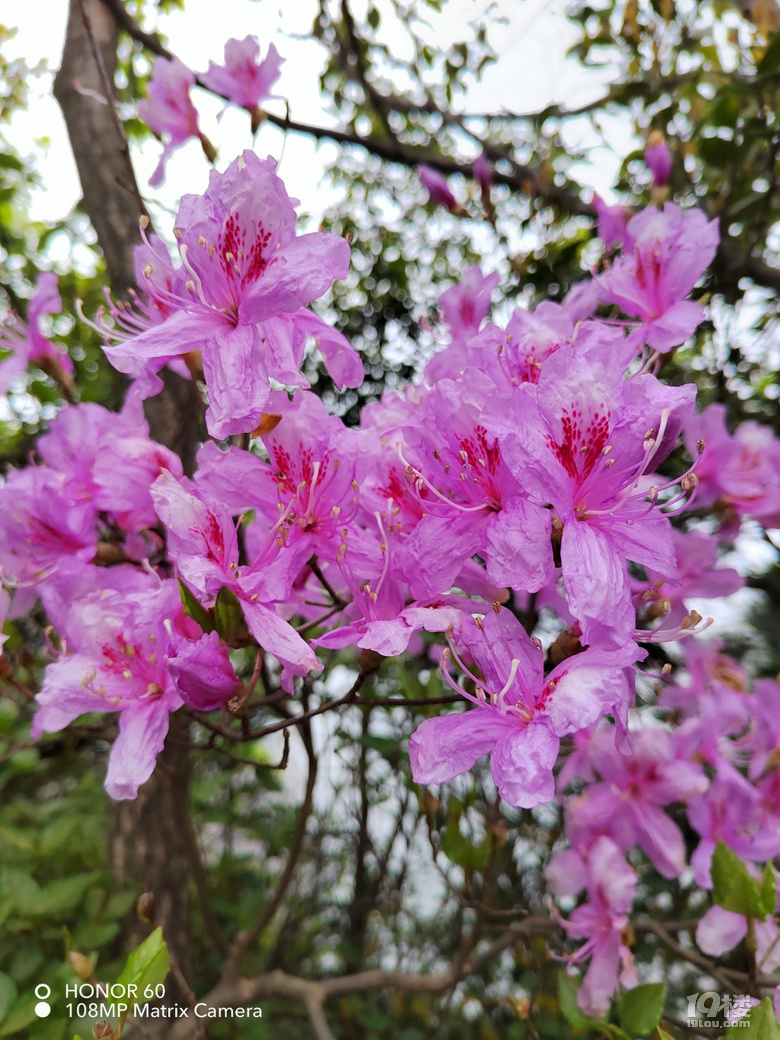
[611, 885]
[530, 338]
[202, 672]
[699, 577]
[671, 250]
[438, 189]
[203, 543]
[168, 109]
[483, 175]
[153, 267]
[245, 269]
[521, 714]
[658, 159]
[719, 931]
[627, 804]
[731, 811]
[585, 441]
[244, 79]
[612, 223]
[26, 340]
[742, 470]
[40, 525]
[116, 663]
[305, 493]
[466, 304]
[471, 501]
[108, 459]
[464, 307]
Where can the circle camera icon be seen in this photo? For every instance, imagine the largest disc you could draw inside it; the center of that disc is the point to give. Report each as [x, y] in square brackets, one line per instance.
[42, 992]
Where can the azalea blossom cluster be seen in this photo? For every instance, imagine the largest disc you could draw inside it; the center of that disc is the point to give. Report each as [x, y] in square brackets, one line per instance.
[242, 80]
[532, 472]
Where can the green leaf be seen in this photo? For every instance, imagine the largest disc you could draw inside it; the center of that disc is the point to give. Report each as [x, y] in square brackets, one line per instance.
[60, 896]
[57, 833]
[460, 850]
[568, 988]
[148, 964]
[763, 1022]
[766, 890]
[20, 1016]
[639, 1010]
[733, 888]
[7, 994]
[662, 1034]
[193, 609]
[230, 618]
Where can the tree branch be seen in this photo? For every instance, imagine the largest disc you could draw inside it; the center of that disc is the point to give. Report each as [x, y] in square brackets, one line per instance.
[241, 992]
[245, 939]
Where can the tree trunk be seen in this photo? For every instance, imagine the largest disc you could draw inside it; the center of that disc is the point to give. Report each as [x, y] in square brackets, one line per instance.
[147, 843]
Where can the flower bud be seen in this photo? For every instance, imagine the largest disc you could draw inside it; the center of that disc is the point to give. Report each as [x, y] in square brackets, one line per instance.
[658, 159]
[83, 966]
[438, 189]
[483, 175]
[146, 908]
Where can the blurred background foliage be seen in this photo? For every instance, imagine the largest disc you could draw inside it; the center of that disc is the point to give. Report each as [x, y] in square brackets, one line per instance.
[386, 870]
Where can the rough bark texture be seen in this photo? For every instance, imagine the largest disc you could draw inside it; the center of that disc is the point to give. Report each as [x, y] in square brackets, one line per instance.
[148, 846]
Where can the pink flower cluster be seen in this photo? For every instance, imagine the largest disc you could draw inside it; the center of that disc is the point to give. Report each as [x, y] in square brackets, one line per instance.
[242, 80]
[534, 469]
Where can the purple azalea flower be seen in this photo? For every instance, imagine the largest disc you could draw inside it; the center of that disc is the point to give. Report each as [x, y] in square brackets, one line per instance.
[110, 460]
[153, 268]
[612, 224]
[732, 810]
[26, 341]
[520, 714]
[305, 493]
[585, 440]
[627, 804]
[243, 78]
[471, 501]
[742, 470]
[380, 616]
[202, 671]
[466, 304]
[203, 543]
[464, 307]
[531, 337]
[117, 663]
[671, 249]
[168, 110]
[719, 931]
[40, 525]
[602, 921]
[244, 267]
[699, 577]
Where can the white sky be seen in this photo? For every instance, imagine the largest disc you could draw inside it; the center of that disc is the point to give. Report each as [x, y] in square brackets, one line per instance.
[532, 71]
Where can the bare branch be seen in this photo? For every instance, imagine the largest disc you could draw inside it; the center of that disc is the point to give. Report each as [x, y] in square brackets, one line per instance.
[245, 939]
[241, 992]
